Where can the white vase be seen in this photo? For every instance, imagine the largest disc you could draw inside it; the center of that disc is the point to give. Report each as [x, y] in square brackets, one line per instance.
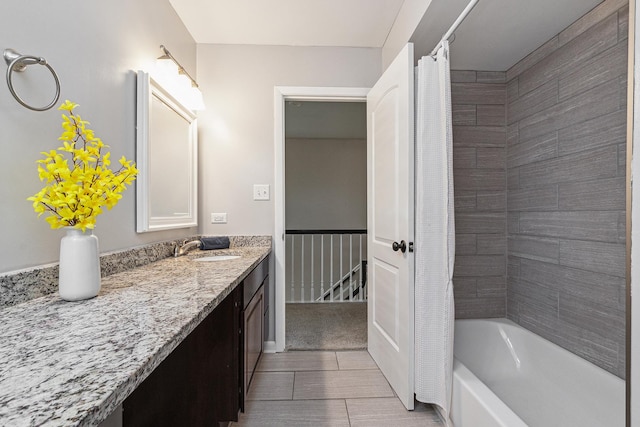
[79, 265]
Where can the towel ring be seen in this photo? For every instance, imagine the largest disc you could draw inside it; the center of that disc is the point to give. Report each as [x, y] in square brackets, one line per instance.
[18, 62]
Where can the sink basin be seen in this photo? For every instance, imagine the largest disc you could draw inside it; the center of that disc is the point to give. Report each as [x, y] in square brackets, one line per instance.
[217, 258]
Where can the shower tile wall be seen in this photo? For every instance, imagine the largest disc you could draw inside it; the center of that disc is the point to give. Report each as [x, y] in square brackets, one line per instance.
[566, 136]
[479, 156]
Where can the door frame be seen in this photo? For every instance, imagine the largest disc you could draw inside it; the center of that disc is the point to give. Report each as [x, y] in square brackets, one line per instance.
[281, 95]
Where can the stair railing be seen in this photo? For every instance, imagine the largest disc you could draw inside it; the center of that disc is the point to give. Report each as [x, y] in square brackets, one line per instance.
[316, 264]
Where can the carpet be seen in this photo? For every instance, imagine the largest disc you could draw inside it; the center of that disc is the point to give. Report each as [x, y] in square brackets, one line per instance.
[326, 326]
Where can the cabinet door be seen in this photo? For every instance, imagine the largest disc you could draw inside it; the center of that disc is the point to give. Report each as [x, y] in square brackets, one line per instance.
[253, 335]
[197, 384]
[220, 346]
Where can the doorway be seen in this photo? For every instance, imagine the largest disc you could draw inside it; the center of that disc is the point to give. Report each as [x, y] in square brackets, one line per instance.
[295, 98]
[325, 225]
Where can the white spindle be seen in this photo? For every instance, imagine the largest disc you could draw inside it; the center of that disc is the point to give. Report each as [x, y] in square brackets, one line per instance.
[302, 269]
[331, 271]
[361, 267]
[322, 265]
[351, 267]
[366, 248]
[293, 258]
[341, 274]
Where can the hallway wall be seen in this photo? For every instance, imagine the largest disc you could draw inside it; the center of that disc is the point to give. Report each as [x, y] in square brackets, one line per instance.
[325, 189]
[326, 184]
[566, 157]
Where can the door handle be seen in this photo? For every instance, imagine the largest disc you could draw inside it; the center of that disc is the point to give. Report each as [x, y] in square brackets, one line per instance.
[402, 246]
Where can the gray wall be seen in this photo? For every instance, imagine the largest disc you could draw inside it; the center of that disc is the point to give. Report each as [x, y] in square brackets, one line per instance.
[479, 140]
[539, 170]
[237, 128]
[634, 217]
[326, 189]
[95, 47]
[566, 188]
[236, 131]
[326, 184]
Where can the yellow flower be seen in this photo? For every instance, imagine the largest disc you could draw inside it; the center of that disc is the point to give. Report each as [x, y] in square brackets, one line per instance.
[78, 187]
[68, 106]
[82, 155]
[66, 146]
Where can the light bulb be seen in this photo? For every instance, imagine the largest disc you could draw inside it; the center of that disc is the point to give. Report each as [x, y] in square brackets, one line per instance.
[166, 67]
[197, 100]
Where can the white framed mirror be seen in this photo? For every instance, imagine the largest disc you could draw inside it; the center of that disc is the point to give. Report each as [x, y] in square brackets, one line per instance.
[166, 157]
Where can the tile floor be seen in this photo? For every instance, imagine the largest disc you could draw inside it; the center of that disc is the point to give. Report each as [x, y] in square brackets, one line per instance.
[326, 388]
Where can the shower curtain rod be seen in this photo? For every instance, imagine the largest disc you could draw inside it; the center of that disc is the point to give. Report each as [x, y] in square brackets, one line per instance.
[455, 25]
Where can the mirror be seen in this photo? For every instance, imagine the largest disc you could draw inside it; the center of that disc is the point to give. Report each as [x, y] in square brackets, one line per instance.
[166, 157]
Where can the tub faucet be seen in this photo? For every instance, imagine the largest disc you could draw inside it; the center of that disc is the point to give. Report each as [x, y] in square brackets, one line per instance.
[180, 250]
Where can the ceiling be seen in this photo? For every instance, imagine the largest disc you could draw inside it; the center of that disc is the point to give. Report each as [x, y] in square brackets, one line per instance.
[495, 36]
[497, 33]
[353, 23]
[326, 120]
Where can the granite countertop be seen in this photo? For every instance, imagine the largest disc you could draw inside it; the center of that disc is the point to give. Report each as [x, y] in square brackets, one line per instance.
[71, 363]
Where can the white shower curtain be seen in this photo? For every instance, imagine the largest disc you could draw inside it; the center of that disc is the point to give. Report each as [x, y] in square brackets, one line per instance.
[435, 233]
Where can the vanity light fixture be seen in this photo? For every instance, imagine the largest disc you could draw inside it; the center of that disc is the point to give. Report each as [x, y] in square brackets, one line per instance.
[172, 75]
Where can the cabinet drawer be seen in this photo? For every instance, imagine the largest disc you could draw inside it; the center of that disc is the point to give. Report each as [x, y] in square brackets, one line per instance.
[253, 281]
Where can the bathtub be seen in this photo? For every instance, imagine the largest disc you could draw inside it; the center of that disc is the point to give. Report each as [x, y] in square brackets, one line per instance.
[504, 375]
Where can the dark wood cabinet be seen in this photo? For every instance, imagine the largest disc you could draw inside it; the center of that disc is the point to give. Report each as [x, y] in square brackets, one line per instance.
[252, 317]
[253, 335]
[198, 383]
[203, 381]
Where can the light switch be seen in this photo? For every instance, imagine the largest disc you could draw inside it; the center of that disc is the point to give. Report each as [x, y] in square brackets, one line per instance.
[219, 218]
[261, 192]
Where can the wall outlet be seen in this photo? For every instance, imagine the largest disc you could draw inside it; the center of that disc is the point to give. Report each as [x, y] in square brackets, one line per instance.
[261, 192]
[219, 218]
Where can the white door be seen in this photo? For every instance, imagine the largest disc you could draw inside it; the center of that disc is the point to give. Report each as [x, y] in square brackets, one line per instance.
[390, 199]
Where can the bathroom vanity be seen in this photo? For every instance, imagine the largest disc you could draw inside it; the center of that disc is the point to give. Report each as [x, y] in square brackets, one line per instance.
[205, 379]
[197, 384]
[172, 343]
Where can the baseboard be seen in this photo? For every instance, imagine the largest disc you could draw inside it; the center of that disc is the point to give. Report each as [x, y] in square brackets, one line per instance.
[269, 347]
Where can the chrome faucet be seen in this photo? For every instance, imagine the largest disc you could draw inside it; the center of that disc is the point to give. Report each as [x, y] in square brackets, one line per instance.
[180, 250]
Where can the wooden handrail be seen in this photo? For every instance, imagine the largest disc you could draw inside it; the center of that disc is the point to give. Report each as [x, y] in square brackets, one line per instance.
[353, 231]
